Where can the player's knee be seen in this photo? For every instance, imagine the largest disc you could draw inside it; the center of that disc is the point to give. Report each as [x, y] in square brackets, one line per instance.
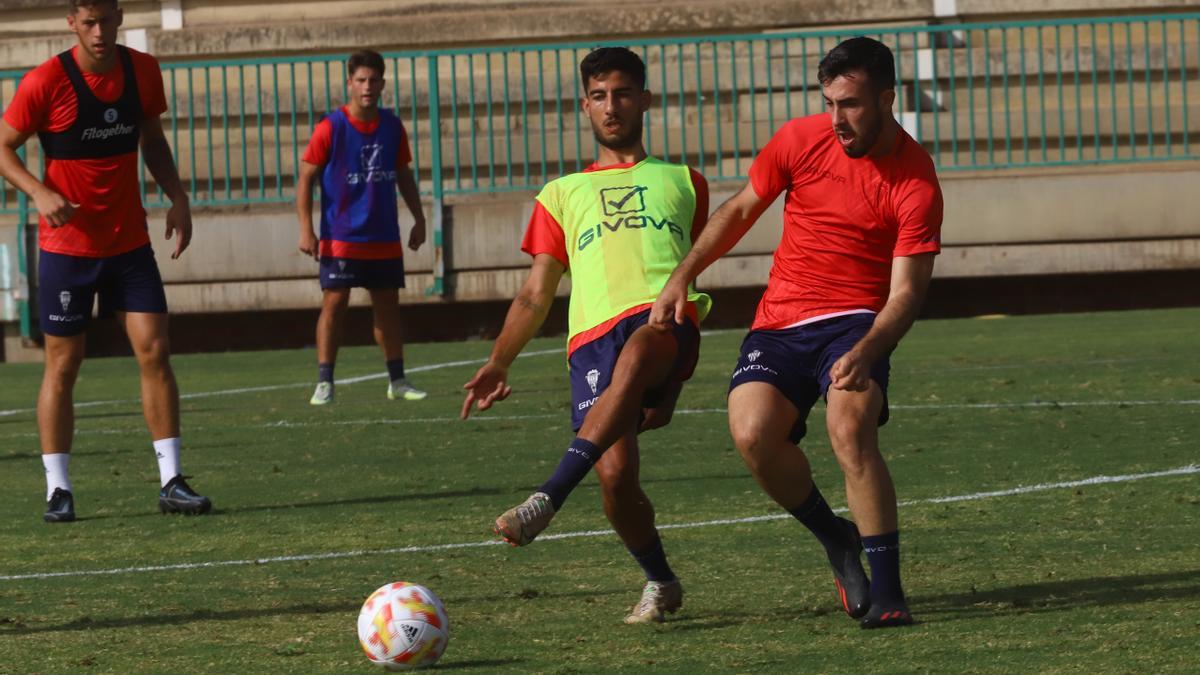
[618, 481]
[63, 368]
[154, 354]
[750, 438]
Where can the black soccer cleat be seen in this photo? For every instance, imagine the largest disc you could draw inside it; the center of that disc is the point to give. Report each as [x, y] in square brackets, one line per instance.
[853, 586]
[179, 497]
[60, 508]
[887, 617]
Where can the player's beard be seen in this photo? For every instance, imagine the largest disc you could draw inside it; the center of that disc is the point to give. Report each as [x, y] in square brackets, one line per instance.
[632, 137]
[866, 140]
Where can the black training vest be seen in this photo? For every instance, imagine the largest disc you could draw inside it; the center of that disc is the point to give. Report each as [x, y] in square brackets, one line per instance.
[100, 129]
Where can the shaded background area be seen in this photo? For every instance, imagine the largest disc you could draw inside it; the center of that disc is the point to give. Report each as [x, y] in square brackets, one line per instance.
[733, 308]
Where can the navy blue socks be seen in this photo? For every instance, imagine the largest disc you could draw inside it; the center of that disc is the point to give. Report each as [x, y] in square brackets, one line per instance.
[654, 561]
[575, 464]
[324, 372]
[395, 369]
[883, 553]
[821, 520]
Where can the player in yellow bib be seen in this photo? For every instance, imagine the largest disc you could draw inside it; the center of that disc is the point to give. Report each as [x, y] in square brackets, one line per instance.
[618, 228]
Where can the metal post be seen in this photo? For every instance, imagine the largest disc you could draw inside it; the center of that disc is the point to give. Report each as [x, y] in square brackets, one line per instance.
[435, 170]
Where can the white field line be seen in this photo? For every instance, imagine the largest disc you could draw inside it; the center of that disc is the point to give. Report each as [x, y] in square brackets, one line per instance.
[975, 496]
[289, 424]
[297, 385]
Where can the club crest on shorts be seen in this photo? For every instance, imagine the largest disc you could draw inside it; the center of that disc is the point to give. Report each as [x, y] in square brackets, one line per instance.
[593, 379]
[64, 298]
[110, 115]
[753, 356]
[341, 265]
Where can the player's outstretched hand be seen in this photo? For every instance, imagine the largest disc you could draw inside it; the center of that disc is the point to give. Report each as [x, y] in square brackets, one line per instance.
[54, 207]
[416, 236]
[850, 373]
[179, 222]
[489, 385]
[669, 307]
[309, 245]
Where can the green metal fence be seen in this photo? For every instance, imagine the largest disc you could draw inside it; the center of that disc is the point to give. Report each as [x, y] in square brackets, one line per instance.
[495, 119]
[979, 96]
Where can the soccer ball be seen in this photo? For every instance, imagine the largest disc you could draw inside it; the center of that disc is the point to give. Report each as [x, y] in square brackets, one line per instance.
[403, 626]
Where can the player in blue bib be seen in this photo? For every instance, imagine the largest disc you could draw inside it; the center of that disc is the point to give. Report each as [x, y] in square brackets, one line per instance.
[361, 153]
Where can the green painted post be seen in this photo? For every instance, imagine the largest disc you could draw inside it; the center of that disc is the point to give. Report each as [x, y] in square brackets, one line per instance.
[435, 161]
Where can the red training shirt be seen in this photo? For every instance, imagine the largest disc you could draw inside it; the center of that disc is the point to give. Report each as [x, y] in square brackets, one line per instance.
[844, 220]
[321, 143]
[110, 219]
[544, 234]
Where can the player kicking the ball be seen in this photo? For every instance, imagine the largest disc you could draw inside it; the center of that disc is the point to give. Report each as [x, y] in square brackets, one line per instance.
[618, 228]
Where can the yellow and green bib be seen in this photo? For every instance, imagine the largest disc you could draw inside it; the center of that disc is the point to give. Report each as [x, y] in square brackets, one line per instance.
[625, 229]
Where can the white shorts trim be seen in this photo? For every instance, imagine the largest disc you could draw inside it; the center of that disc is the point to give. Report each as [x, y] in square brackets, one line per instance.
[814, 319]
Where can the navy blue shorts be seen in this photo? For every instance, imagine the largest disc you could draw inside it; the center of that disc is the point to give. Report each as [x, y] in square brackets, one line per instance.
[592, 364]
[354, 273]
[796, 361]
[68, 285]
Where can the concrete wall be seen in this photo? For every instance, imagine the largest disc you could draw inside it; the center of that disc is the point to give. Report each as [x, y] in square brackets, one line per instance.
[1034, 223]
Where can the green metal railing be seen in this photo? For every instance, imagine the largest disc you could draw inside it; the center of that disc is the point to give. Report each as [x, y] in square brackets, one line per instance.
[493, 119]
[496, 119]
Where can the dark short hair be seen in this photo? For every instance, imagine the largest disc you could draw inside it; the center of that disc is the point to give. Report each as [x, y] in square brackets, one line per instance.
[365, 58]
[609, 59]
[860, 53]
[74, 5]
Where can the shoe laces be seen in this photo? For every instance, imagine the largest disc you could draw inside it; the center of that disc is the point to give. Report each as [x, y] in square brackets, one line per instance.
[536, 507]
[652, 596]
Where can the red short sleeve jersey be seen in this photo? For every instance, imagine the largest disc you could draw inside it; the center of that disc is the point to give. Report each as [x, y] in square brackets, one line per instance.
[110, 218]
[321, 143]
[844, 220]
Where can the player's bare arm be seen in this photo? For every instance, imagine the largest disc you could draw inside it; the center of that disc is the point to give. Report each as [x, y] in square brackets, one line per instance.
[304, 203]
[910, 281]
[525, 316]
[54, 207]
[161, 163]
[727, 225]
[407, 184]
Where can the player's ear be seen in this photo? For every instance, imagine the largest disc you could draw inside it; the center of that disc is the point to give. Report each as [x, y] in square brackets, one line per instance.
[120, 16]
[886, 98]
[645, 99]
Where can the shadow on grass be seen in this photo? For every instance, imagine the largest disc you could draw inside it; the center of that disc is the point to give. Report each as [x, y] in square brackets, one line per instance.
[384, 499]
[17, 626]
[1057, 596]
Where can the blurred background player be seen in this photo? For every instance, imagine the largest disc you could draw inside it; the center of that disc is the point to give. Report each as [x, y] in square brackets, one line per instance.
[618, 228]
[861, 227]
[92, 106]
[362, 154]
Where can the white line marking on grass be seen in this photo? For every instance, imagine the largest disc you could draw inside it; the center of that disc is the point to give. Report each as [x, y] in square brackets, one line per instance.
[289, 424]
[276, 387]
[975, 496]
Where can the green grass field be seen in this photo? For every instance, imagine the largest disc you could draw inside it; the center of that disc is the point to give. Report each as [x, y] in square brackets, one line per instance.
[1097, 577]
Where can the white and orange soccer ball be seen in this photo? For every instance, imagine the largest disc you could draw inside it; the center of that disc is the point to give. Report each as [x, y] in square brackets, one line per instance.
[403, 626]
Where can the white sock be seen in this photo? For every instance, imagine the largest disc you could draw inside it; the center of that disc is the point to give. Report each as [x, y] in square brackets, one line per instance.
[167, 451]
[56, 472]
